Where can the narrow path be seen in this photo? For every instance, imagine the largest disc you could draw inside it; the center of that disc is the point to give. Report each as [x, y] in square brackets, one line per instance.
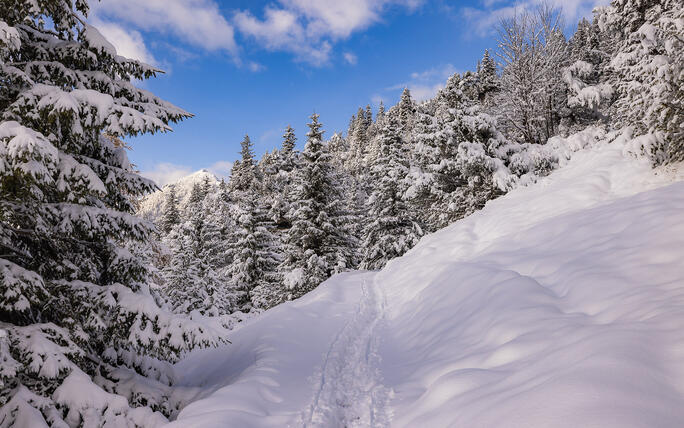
[349, 390]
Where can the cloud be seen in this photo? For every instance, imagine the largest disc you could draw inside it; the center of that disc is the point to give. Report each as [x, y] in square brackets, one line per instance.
[255, 66]
[196, 22]
[165, 173]
[350, 58]
[221, 169]
[425, 84]
[127, 43]
[484, 19]
[309, 28]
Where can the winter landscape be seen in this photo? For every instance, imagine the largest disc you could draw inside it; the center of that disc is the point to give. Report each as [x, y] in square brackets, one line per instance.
[502, 248]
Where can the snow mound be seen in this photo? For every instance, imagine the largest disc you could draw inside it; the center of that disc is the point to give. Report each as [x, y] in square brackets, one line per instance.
[152, 206]
[560, 304]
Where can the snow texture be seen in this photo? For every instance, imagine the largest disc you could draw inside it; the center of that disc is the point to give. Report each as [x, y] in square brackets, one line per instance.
[559, 304]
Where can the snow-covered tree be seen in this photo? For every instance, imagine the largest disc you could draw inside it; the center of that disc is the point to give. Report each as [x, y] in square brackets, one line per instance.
[255, 258]
[488, 79]
[316, 245]
[454, 157]
[245, 170]
[75, 316]
[406, 110]
[532, 52]
[390, 231]
[648, 69]
[170, 216]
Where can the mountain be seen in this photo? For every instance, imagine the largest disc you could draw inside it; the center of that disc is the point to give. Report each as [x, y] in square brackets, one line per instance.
[152, 205]
[556, 305]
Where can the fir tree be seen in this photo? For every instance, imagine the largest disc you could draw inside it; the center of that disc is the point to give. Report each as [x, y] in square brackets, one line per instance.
[171, 216]
[255, 261]
[390, 231]
[406, 111]
[316, 245]
[487, 77]
[75, 308]
[647, 65]
[244, 172]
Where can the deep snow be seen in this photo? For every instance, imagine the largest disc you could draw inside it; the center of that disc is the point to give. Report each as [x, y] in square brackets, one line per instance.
[560, 304]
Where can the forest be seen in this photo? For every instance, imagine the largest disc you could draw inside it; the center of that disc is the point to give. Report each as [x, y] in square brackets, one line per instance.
[102, 291]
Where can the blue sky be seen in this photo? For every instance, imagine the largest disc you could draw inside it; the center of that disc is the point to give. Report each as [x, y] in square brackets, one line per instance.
[252, 67]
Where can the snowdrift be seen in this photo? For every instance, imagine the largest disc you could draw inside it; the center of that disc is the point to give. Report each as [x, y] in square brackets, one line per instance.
[560, 304]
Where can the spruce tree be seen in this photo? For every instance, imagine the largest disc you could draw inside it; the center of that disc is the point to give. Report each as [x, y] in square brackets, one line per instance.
[244, 171]
[406, 110]
[254, 267]
[647, 68]
[170, 216]
[316, 245]
[390, 231]
[76, 317]
[487, 77]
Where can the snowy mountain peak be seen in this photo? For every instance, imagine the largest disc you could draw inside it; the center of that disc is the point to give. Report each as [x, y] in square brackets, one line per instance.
[153, 204]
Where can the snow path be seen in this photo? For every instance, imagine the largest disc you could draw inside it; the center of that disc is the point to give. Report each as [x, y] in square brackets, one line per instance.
[350, 392]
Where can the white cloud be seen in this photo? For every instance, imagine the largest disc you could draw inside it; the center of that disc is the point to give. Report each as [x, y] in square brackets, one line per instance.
[128, 43]
[255, 66]
[484, 20]
[165, 173]
[350, 58]
[195, 22]
[221, 169]
[425, 84]
[308, 28]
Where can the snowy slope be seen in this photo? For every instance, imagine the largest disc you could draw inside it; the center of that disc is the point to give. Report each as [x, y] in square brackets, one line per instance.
[152, 205]
[558, 305]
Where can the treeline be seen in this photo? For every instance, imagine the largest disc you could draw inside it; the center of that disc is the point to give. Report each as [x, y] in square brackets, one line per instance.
[285, 223]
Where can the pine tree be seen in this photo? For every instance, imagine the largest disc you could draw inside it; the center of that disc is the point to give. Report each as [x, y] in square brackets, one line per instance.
[358, 142]
[254, 267]
[368, 116]
[244, 172]
[171, 216]
[648, 65]
[453, 157]
[406, 110]
[390, 231]
[381, 112]
[487, 77]
[316, 245]
[75, 309]
[589, 95]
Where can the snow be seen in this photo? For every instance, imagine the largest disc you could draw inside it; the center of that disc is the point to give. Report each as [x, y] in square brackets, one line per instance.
[9, 37]
[560, 304]
[97, 41]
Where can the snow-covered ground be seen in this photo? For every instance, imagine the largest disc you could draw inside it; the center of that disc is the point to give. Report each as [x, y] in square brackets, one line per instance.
[560, 304]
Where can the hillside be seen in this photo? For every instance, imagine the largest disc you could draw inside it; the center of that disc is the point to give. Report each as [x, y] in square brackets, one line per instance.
[559, 304]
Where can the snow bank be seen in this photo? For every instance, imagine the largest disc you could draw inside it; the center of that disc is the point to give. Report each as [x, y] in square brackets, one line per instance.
[560, 304]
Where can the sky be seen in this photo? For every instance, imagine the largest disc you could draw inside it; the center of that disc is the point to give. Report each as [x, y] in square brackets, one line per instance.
[253, 67]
